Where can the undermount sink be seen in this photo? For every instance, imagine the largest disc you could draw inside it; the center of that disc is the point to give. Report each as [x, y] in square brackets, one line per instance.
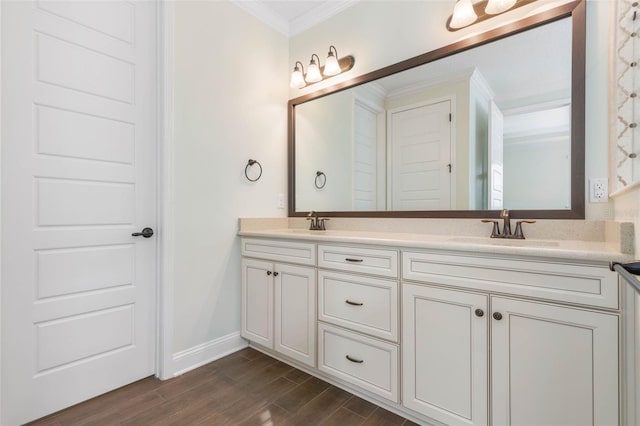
[505, 242]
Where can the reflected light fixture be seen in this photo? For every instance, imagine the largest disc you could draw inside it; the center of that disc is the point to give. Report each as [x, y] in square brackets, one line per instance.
[316, 73]
[466, 12]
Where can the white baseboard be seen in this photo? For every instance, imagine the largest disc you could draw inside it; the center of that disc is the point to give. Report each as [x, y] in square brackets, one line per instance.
[204, 353]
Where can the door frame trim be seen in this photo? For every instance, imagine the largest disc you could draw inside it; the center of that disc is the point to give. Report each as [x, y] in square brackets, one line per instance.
[165, 14]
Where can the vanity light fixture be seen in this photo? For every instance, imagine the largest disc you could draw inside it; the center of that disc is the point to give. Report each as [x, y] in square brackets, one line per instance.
[316, 73]
[463, 14]
[297, 76]
[313, 71]
[331, 66]
[494, 7]
[466, 12]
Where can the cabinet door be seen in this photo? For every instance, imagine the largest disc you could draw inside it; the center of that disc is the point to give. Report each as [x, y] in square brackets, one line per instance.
[257, 301]
[444, 354]
[553, 365]
[295, 317]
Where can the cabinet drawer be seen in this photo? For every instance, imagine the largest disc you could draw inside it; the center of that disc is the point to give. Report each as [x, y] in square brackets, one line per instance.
[283, 251]
[365, 304]
[357, 259]
[579, 284]
[368, 363]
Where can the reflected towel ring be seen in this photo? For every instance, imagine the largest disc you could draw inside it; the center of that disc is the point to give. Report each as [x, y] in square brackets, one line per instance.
[246, 169]
[323, 181]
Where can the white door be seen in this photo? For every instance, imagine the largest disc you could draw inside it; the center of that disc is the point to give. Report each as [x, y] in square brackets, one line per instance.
[78, 178]
[365, 158]
[257, 301]
[553, 365]
[295, 312]
[444, 354]
[420, 157]
[496, 155]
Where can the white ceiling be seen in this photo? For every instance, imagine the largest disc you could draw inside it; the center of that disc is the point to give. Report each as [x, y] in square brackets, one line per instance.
[291, 17]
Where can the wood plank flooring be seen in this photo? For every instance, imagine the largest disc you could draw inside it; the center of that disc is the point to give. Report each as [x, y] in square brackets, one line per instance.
[245, 388]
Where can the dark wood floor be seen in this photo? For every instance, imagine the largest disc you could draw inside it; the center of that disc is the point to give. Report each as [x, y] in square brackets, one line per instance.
[245, 388]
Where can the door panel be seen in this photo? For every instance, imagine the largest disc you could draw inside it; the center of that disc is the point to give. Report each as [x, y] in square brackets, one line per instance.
[295, 312]
[257, 301]
[420, 152]
[445, 354]
[553, 365]
[365, 146]
[78, 177]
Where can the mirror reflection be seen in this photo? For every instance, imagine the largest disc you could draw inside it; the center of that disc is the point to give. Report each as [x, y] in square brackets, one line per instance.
[484, 129]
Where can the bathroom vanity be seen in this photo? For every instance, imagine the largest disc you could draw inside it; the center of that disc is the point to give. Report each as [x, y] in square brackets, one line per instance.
[449, 330]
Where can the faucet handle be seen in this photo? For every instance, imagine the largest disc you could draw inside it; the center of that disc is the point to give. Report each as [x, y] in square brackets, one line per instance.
[518, 232]
[321, 226]
[495, 232]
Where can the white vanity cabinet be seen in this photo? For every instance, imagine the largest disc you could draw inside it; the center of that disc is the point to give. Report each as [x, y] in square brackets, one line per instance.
[358, 317]
[441, 336]
[445, 356]
[550, 363]
[553, 364]
[279, 299]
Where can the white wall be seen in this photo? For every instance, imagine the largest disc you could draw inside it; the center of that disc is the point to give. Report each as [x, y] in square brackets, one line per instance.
[231, 81]
[380, 33]
[327, 148]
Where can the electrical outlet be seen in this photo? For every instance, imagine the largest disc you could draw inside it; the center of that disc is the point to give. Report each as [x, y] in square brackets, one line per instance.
[598, 190]
[280, 202]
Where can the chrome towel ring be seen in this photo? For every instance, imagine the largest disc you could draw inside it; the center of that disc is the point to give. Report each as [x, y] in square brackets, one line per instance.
[321, 180]
[246, 170]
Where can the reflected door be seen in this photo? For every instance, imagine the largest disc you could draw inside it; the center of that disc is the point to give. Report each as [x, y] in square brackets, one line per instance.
[78, 178]
[365, 147]
[496, 157]
[420, 157]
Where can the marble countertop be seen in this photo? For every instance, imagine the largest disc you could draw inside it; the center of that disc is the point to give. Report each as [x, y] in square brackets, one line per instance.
[596, 252]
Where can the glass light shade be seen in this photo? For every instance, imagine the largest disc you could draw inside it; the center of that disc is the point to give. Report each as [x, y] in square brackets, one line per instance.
[313, 73]
[297, 79]
[498, 6]
[463, 14]
[331, 67]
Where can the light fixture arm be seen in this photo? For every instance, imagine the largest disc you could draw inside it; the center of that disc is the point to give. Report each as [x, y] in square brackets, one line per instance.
[301, 69]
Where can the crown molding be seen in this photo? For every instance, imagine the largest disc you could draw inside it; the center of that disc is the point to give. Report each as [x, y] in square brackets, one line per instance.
[265, 14]
[259, 10]
[318, 14]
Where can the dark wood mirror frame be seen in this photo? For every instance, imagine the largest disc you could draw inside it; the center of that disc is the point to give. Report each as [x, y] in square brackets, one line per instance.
[577, 11]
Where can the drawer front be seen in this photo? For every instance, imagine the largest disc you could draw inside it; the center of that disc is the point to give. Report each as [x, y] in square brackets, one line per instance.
[578, 284]
[357, 259]
[368, 363]
[365, 304]
[283, 251]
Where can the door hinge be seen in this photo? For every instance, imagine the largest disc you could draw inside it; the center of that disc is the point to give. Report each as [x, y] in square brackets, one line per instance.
[450, 117]
[449, 166]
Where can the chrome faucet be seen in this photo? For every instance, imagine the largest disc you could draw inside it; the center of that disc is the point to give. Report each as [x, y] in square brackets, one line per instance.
[317, 223]
[506, 227]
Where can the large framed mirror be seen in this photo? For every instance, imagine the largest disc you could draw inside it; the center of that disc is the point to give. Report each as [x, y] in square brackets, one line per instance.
[493, 122]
